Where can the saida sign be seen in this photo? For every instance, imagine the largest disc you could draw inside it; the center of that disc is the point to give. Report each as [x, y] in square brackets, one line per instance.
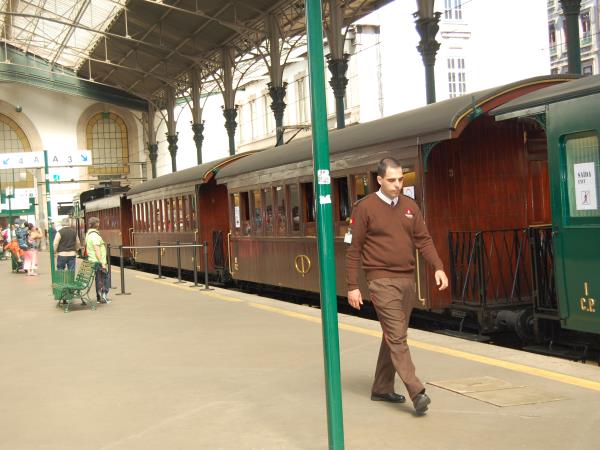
[33, 160]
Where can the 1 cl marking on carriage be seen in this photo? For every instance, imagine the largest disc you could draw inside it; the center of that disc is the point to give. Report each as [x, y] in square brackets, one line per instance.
[587, 303]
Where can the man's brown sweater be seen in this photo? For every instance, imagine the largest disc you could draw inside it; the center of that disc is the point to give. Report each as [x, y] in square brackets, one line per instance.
[384, 239]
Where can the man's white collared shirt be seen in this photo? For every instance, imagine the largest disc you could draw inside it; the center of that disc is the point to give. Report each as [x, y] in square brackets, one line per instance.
[385, 198]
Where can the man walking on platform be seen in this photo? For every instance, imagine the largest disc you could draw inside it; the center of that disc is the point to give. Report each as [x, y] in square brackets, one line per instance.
[66, 244]
[385, 229]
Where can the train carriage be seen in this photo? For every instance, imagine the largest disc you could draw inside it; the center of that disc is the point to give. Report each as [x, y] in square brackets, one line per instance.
[186, 207]
[116, 225]
[467, 172]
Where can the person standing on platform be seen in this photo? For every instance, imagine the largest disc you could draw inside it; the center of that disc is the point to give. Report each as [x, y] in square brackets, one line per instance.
[385, 229]
[96, 251]
[34, 239]
[66, 244]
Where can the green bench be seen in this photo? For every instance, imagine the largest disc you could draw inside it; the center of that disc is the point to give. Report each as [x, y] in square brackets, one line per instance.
[66, 288]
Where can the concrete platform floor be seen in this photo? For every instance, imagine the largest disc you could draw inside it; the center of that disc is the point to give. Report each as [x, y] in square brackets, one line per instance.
[174, 367]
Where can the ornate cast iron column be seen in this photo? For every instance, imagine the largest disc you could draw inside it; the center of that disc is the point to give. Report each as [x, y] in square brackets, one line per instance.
[428, 47]
[172, 140]
[230, 125]
[278, 107]
[571, 10]
[153, 155]
[198, 129]
[338, 82]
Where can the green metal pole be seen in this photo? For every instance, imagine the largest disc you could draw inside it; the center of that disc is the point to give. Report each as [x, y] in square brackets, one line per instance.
[571, 11]
[331, 347]
[10, 215]
[48, 215]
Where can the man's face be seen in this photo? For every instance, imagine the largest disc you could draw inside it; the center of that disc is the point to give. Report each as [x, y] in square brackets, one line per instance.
[391, 182]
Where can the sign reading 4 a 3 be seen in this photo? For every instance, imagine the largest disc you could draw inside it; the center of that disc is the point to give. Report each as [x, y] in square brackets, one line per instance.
[70, 158]
[29, 160]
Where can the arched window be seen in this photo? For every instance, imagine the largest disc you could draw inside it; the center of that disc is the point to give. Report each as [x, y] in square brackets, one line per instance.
[13, 140]
[107, 139]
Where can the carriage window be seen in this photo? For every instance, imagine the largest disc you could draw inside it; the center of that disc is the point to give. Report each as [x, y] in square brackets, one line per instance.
[158, 220]
[408, 185]
[281, 210]
[295, 207]
[237, 215]
[241, 218]
[184, 213]
[361, 186]
[268, 210]
[258, 211]
[343, 208]
[174, 214]
[309, 202]
[583, 170]
[192, 202]
[177, 214]
[245, 213]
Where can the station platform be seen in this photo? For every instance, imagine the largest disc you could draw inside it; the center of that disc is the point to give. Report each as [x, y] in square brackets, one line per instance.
[176, 367]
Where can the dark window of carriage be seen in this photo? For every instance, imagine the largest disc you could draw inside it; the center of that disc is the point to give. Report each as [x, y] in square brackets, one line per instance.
[257, 207]
[295, 207]
[361, 186]
[343, 206]
[309, 202]
[269, 217]
[241, 213]
[280, 209]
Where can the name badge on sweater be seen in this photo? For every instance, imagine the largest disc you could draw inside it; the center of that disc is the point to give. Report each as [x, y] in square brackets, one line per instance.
[409, 214]
[348, 237]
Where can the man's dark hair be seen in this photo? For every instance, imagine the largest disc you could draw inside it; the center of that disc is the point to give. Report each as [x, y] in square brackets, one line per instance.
[387, 163]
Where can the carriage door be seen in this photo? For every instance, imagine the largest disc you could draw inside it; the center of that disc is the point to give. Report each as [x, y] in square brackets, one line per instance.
[576, 189]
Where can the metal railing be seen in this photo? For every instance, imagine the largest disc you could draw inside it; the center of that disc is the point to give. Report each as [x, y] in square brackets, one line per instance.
[544, 294]
[159, 247]
[490, 268]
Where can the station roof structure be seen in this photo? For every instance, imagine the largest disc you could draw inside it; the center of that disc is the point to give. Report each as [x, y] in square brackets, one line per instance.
[143, 46]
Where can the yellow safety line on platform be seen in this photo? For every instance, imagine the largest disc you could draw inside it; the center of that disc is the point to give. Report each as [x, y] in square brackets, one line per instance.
[168, 282]
[542, 373]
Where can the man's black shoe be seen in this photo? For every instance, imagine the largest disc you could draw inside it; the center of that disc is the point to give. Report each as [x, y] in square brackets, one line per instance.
[391, 397]
[421, 403]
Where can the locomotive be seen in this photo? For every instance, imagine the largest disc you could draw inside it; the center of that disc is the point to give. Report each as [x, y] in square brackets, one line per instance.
[506, 179]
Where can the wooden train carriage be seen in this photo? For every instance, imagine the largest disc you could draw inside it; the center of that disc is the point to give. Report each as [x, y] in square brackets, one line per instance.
[568, 289]
[116, 224]
[271, 199]
[185, 206]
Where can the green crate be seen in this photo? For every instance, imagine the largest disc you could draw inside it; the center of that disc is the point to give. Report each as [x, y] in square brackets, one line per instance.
[62, 277]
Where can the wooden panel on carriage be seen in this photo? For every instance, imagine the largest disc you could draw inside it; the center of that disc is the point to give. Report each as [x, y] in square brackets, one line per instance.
[477, 211]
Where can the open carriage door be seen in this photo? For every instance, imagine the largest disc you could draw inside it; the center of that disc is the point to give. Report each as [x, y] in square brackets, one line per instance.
[574, 160]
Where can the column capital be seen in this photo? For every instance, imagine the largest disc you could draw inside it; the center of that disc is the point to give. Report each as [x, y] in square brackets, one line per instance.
[427, 28]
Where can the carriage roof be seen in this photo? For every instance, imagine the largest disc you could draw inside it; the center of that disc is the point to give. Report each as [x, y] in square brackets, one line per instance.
[431, 123]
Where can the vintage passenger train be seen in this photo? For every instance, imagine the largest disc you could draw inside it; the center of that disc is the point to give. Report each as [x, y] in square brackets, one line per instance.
[507, 179]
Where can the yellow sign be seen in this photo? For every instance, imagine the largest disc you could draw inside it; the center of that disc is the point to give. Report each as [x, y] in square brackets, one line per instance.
[587, 303]
[302, 264]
